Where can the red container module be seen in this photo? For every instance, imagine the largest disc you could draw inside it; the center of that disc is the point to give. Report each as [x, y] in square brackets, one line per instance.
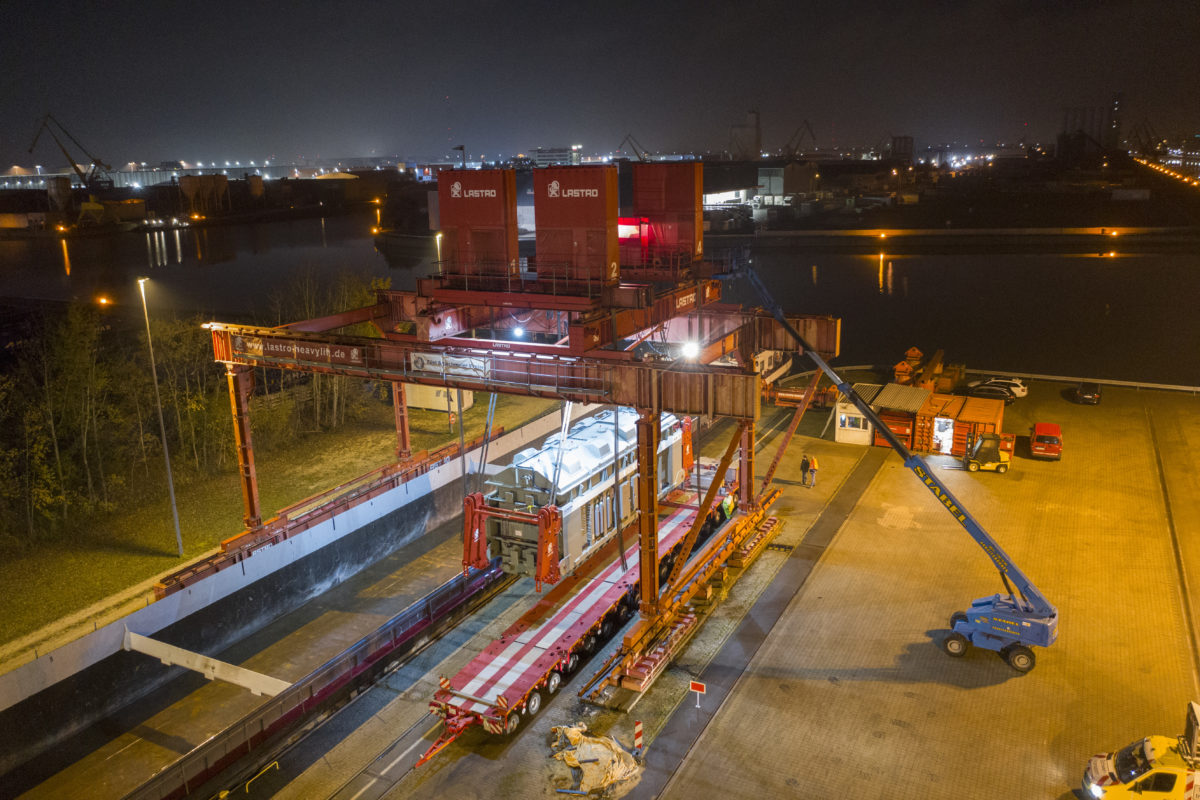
[575, 211]
[668, 199]
[478, 210]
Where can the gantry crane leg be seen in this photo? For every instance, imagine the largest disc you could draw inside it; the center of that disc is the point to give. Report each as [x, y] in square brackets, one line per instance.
[400, 405]
[746, 497]
[648, 433]
[241, 382]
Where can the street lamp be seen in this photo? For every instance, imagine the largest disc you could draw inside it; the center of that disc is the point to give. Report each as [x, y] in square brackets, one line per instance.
[161, 426]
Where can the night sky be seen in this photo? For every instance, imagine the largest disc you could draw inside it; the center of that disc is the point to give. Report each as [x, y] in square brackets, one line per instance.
[199, 81]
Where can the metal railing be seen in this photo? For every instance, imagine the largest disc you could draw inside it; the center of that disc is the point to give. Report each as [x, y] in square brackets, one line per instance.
[405, 633]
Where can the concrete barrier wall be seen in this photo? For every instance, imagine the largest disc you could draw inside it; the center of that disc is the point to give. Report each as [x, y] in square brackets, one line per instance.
[63, 691]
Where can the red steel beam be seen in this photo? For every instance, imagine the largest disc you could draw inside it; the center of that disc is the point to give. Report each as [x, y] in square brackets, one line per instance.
[746, 498]
[241, 381]
[400, 406]
[680, 389]
[801, 407]
[333, 321]
[648, 432]
[602, 330]
[689, 541]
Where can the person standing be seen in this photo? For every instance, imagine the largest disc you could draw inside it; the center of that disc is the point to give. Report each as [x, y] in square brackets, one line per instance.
[812, 471]
[804, 464]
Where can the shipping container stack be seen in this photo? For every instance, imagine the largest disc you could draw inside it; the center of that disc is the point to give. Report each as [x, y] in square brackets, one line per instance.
[478, 212]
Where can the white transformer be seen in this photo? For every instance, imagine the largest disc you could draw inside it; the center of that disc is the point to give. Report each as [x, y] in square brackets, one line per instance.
[587, 495]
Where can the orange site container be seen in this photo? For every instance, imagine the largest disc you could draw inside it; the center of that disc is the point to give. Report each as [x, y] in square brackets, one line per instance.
[478, 210]
[575, 211]
[979, 415]
[946, 406]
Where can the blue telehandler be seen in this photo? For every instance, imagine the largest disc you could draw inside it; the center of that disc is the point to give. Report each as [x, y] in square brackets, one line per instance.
[1011, 623]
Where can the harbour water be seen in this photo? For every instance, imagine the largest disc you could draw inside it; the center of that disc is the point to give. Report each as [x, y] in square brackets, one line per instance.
[1113, 315]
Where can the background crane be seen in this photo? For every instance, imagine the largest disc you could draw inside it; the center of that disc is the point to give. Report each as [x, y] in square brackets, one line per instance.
[635, 147]
[96, 176]
[793, 146]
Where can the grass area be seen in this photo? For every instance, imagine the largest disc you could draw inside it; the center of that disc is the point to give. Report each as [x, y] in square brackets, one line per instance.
[119, 551]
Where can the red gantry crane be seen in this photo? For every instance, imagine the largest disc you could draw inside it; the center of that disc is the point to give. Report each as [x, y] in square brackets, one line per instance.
[589, 319]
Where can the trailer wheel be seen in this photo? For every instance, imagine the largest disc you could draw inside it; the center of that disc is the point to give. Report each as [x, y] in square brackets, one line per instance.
[1019, 657]
[957, 617]
[627, 608]
[512, 722]
[972, 466]
[587, 644]
[572, 663]
[553, 682]
[955, 645]
[607, 627]
[534, 703]
[664, 568]
[1003, 468]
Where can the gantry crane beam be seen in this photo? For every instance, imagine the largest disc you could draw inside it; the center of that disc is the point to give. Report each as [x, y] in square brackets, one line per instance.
[683, 389]
[449, 313]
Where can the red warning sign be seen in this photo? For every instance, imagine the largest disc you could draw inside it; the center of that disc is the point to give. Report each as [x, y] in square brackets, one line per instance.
[697, 687]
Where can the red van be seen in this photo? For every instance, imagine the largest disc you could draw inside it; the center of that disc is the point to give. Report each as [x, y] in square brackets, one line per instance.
[1045, 441]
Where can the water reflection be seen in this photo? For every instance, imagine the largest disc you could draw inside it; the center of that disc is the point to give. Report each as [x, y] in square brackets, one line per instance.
[218, 269]
[158, 253]
[980, 307]
[887, 277]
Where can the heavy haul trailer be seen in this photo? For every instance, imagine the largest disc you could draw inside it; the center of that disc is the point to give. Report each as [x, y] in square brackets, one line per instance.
[508, 681]
[1009, 623]
[597, 587]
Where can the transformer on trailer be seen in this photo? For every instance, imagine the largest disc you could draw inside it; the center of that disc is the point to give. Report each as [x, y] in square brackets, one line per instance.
[575, 476]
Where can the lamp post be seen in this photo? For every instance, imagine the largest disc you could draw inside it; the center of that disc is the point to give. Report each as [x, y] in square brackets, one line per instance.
[161, 426]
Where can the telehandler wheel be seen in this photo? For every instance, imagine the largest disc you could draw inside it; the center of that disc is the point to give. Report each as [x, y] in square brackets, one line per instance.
[955, 645]
[972, 466]
[1003, 468]
[957, 617]
[1019, 657]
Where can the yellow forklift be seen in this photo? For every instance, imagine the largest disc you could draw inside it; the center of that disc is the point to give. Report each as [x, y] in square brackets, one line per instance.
[986, 453]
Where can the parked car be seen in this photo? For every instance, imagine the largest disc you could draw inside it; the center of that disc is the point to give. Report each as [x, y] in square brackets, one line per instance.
[1045, 441]
[1016, 386]
[1088, 393]
[988, 390]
